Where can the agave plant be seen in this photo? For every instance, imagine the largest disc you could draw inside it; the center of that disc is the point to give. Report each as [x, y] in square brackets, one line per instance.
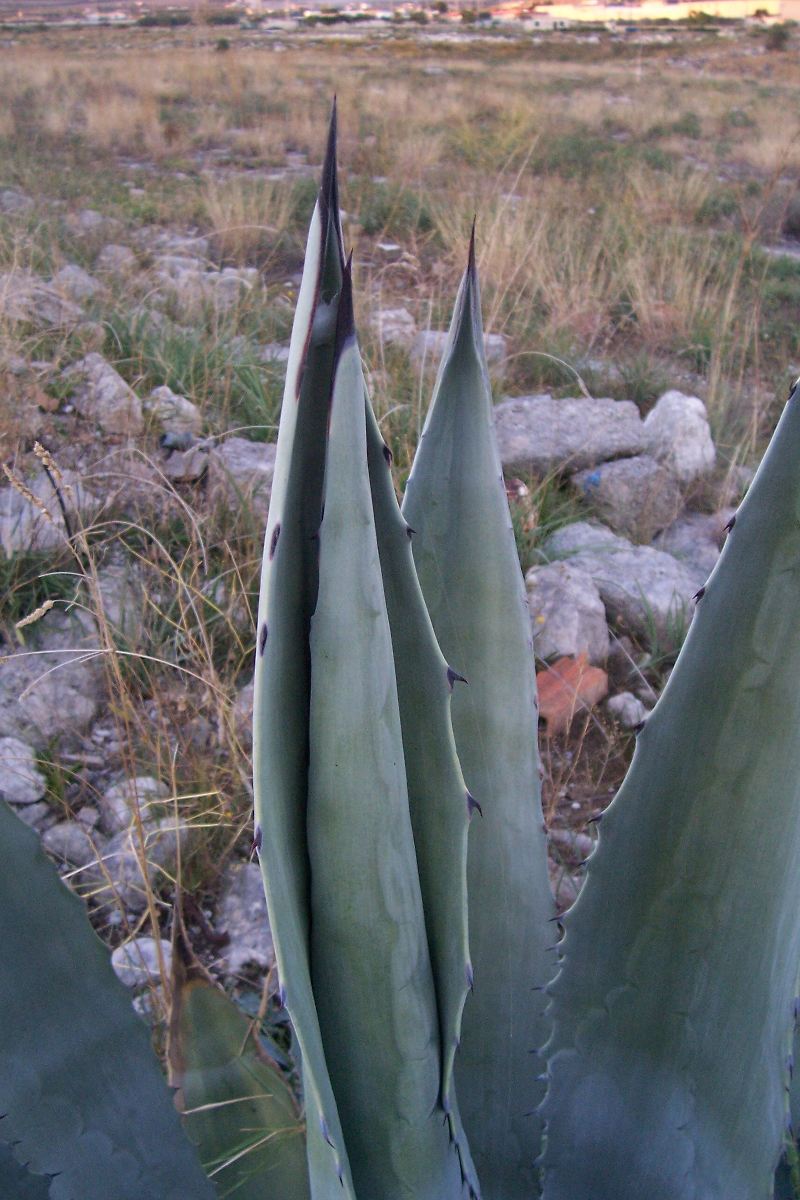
[451, 1045]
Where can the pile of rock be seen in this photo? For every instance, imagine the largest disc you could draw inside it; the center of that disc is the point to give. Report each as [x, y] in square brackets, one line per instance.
[637, 565]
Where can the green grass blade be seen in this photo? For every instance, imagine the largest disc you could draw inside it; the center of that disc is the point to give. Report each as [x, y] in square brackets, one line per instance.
[370, 962]
[81, 1094]
[238, 1109]
[281, 695]
[437, 794]
[470, 575]
[673, 1006]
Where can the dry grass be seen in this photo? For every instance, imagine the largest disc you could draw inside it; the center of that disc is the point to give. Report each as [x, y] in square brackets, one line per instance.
[621, 200]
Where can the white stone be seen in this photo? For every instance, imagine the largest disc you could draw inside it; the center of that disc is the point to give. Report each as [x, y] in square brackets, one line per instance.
[242, 914]
[120, 802]
[240, 471]
[102, 395]
[696, 538]
[116, 260]
[136, 963]
[539, 435]
[27, 525]
[173, 412]
[26, 297]
[21, 781]
[644, 589]
[567, 614]
[273, 353]
[71, 842]
[677, 433]
[627, 710]
[54, 694]
[122, 866]
[394, 326]
[75, 283]
[636, 496]
[12, 201]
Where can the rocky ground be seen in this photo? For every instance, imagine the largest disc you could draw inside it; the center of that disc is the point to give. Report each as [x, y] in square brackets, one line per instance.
[143, 342]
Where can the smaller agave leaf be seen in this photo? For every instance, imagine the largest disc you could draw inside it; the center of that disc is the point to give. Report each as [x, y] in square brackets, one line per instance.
[238, 1108]
[82, 1096]
[370, 963]
[16, 1181]
[441, 807]
[468, 568]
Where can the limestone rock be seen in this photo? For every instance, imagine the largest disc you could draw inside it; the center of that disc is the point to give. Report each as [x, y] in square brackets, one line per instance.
[72, 843]
[567, 614]
[642, 588]
[677, 433]
[242, 914]
[394, 327]
[136, 963]
[119, 802]
[696, 538]
[116, 260]
[21, 781]
[636, 496]
[240, 471]
[243, 716]
[76, 284]
[627, 710]
[121, 864]
[102, 395]
[540, 435]
[26, 297]
[53, 694]
[38, 524]
[13, 202]
[174, 413]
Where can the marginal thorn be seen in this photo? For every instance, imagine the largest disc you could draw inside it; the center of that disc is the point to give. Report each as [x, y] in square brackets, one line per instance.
[454, 677]
[326, 1133]
[387, 454]
[729, 526]
[273, 541]
[282, 996]
[262, 639]
[698, 596]
[256, 846]
[410, 532]
[472, 806]
[638, 727]
[470, 976]
[595, 820]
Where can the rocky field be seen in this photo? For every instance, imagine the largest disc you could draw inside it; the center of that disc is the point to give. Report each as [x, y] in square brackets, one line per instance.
[637, 215]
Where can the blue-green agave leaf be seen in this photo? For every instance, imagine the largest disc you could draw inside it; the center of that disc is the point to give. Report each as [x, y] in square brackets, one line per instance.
[673, 1006]
[282, 674]
[16, 1181]
[464, 550]
[82, 1097]
[369, 953]
[441, 807]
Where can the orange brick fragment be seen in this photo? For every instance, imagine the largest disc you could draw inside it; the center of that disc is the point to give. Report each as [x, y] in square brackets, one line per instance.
[566, 688]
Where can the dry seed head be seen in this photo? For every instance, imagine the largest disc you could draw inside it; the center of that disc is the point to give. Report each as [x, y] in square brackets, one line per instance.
[48, 462]
[35, 616]
[25, 491]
